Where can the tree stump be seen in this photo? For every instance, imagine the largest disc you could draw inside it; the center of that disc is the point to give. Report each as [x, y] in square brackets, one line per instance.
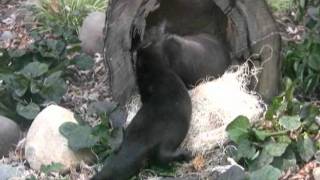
[250, 29]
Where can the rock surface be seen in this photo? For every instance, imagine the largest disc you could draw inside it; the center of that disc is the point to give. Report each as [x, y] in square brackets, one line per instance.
[10, 134]
[7, 35]
[233, 173]
[10, 172]
[316, 173]
[91, 33]
[45, 144]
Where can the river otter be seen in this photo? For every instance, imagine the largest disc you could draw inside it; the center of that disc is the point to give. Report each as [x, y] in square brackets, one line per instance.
[161, 124]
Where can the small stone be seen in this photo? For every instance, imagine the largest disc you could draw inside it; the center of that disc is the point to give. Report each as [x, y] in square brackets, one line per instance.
[316, 173]
[45, 144]
[233, 173]
[10, 172]
[4, 1]
[7, 35]
[10, 134]
[91, 33]
[102, 107]
[32, 2]
[118, 118]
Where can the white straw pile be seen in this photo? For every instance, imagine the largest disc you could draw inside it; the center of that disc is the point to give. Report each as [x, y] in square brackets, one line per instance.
[215, 104]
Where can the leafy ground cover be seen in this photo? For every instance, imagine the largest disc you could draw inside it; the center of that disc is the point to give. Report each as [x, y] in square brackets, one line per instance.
[286, 141]
[36, 75]
[288, 138]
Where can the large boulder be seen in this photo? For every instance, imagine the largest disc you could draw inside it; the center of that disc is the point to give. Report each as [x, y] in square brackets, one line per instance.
[10, 134]
[45, 144]
[91, 33]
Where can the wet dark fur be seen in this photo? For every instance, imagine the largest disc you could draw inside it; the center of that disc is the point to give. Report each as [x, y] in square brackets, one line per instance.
[191, 57]
[196, 57]
[160, 125]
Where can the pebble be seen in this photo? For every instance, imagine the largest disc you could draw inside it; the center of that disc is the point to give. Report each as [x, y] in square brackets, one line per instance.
[10, 135]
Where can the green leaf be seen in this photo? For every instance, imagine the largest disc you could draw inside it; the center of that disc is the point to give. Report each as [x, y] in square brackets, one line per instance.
[238, 128]
[306, 148]
[34, 69]
[54, 87]
[263, 159]
[29, 111]
[34, 87]
[246, 150]
[79, 137]
[67, 128]
[83, 62]
[290, 122]
[277, 107]
[53, 167]
[17, 53]
[18, 84]
[276, 149]
[267, 172]
[286, 161]
[261, 135]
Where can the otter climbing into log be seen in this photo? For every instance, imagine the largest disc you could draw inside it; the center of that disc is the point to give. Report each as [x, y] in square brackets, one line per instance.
[161, 124]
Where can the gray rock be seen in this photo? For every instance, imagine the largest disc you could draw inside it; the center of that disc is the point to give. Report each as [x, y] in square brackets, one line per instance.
[178, 178]
[118, 118]
[45, 144]
[4, 1]
[233, 173]
[7, 35]
[91, 33]
[10, 172]
[32, 2]
[316, 173]
[10, 134]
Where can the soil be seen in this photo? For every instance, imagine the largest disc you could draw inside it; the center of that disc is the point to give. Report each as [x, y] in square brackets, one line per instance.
[91, 86]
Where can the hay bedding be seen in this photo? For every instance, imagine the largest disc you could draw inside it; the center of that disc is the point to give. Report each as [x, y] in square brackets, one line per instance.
[215, 103]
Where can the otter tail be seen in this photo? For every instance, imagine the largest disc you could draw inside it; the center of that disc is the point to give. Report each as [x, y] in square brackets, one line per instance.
[124, 164]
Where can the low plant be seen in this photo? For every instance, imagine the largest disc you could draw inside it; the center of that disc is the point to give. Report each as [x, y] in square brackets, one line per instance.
[302, 59]
[35, 76]
[280, 5]
[104, 139]
[67, 13]
[287, 137]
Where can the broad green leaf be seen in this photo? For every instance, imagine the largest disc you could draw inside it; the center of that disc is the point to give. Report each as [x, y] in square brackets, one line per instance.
[79, 137]
[276, 149]
[53, 167]
[246, 150]
[67, 128]
[286, 161]
[83, 62]
[267, 172]
[17, 53]
[260, 134]
[54, 87]
[306, 148]
[29, 111]
[34, 87]
[238, 129]
[314, 62]
[34, 69]
[18, 84]
[263, 159]
[277, 106]
[52, 79]
[290, 122]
